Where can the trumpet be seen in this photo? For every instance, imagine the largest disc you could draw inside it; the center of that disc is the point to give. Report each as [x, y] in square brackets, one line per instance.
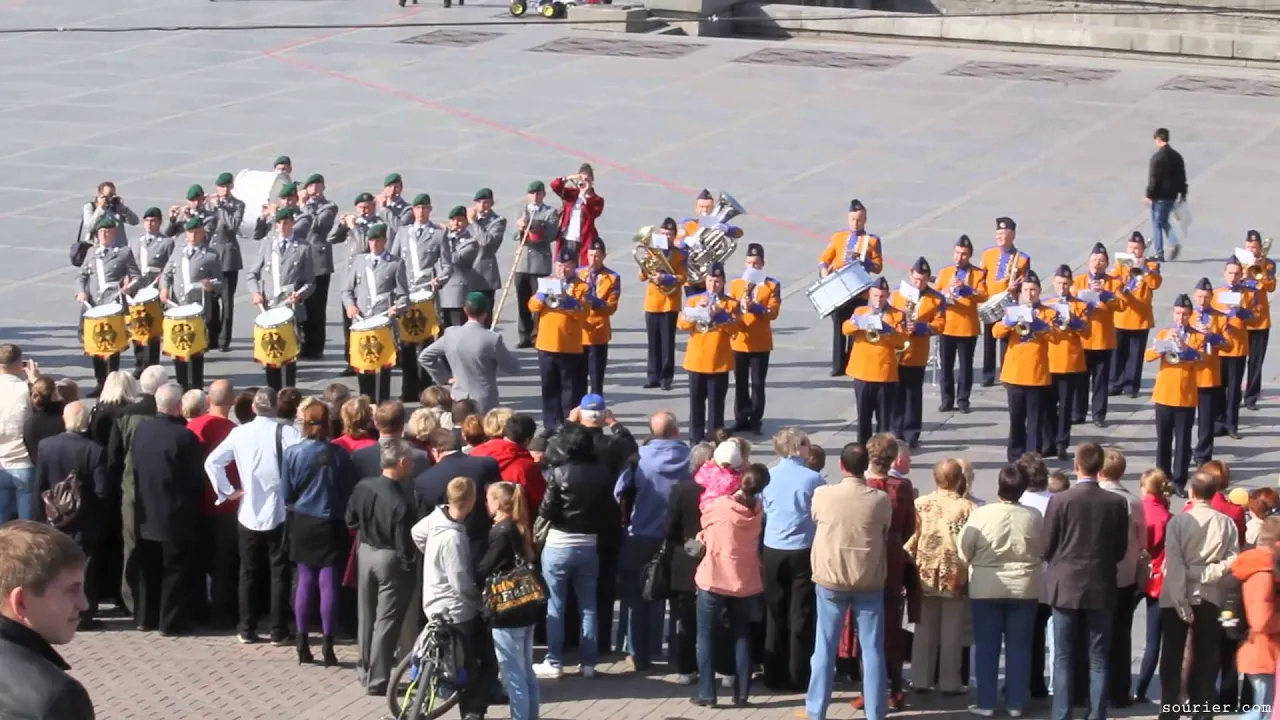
[1024, 329]
[1257, 272]
[653, 263]
[1174, 357]
[1062, 321]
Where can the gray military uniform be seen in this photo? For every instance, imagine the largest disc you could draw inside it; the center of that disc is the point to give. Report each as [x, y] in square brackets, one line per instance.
[544, 221]
[321, 218]
[419, 247]
[397, 214]
[357, 238]
[152, 254]
[176, 226]
[225, 238]
[185, 272]
[375, 283]
[102, 272]
[458, 254]
[489, 229]
[292, 261]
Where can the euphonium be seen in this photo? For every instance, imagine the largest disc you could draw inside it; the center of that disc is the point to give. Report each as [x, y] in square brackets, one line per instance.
[652, 262]
[714, 245]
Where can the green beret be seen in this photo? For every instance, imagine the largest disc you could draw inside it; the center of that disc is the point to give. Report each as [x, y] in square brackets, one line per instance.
[392, 179]
[363, 197]
[478, 301]
[195, 192]
[422, 199]
[458, 212]
[105, 222]
[224, 180]
[314, 178]
[289, 190]
[193, 224]
[152, 212]
[377, 230]
[483, 194]
[283, 160]
[536, 187]
[286, 213]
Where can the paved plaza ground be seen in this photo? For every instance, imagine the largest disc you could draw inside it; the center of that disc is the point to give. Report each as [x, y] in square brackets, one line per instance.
[936, 141]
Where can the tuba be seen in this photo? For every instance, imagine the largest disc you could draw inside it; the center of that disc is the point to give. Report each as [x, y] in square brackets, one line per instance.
[652, 262]
[714, 244]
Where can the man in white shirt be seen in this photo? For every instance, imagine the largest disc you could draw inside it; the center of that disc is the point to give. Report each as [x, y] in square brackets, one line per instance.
[256, 448]
[15, 407]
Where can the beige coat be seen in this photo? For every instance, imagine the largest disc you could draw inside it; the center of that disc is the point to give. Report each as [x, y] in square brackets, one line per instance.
[850, 544]
[1001, 545]
[1199, 547]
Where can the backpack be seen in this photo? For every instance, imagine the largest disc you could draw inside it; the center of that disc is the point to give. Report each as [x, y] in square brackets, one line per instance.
[62, 501]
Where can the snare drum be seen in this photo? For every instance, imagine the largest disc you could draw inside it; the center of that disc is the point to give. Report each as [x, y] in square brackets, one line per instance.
[419, 321]
[145, 316]
[275, 337]
[184, 332]
[104, 330]
[373, 346]
[838, 288]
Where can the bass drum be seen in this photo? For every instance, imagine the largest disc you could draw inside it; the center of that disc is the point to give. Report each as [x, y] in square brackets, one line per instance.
[256, 188]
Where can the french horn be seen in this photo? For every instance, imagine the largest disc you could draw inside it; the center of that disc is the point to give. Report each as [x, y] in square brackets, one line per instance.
[651, 261]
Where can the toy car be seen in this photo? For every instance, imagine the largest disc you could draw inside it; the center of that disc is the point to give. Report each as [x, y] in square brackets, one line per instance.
[550, 9]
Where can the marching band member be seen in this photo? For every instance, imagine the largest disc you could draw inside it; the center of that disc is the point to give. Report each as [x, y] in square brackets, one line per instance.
[924, 319]
[760, 298]
[873, 362]
[1235, 350]
[582, 206]
[1100, 343]
[539, 225]
[353, 231]
[847, 247]
[662, 309]
[489, 229]
[283, 166]
[1067, 367]
[703, 208]
[458, 254]
[418, 245]
[193, 275]
[708, 357]
[561, 363]
[1024, 370]
[152, 255]
[286, 197]
[604, 288]
[393, 209]
[196, 206]
[1175, 394]
[964, 285]
[109, 272]
[1210, 394]
[376, 284]
[284, 275]
[1005, 267]
[106, 204]
[1260, 326]
[1134, 322]
[319, 216]
[228, 214]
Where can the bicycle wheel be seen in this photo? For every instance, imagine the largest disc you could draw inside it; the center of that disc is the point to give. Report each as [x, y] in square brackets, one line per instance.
[396, 699]
[430, 697]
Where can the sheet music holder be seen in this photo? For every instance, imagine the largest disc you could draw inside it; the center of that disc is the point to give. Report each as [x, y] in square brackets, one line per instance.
[550, 286]
[754, 276]
[869, 321]
[1019, 313]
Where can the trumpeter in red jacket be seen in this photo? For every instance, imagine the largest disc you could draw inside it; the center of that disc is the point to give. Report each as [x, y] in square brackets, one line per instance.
[581, 208]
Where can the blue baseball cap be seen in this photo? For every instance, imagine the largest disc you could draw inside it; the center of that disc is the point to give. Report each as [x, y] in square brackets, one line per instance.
[592, 401]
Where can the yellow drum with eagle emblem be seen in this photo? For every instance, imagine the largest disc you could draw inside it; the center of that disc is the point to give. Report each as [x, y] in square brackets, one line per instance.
[185, 333]
[104, 330]
[275, 337]
[373, 345]
[419, 322]
[146, 316]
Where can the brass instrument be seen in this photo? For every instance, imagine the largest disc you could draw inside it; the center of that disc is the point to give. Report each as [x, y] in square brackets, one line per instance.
[874, 335]
[1024, 329]
[912, 311]
[958, 280]
[653, 263]
[1061, 320]
[713, 245]
[712, 304]
[1174, 357]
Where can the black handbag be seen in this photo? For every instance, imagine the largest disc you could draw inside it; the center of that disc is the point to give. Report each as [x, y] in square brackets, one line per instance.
[655, 581]
[517, 591]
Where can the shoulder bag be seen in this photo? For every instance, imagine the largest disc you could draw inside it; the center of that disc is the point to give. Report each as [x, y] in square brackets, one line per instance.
[516, 592]
[62, 501]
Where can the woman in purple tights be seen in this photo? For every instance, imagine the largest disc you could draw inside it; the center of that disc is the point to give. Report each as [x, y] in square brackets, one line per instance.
[316, 479]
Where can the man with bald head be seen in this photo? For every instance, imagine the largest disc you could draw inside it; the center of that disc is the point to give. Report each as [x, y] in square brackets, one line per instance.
[219, 560]
[72, 451]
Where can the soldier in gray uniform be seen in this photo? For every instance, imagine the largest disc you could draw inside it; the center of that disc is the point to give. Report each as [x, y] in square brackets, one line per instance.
[152, 253]
[106, 204]
[489, 229]
[458, 277]
[376, 283]
[284, 275]
[319, 216]
[196, 206]
[193, 275]
[541, 222]
[418, 244]
[287, 197]
[353, 230]
[109, 271]
[393, 209]
[228, 213]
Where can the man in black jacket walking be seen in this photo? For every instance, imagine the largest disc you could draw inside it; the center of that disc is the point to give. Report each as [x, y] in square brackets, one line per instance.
[1166, 186]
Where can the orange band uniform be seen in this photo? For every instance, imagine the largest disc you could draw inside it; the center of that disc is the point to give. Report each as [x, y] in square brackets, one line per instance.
[605, 291]
[845, 246]
[560, 329]
[1138, 291]
[755, 333]
[961, 317]
[710, 352]
[1101, 318]
[1209, 374]
[1066, 351]
[1026, 362]
[1237, 344]
[1002, 266]
[1261, 319]
[655, 301]
[930, 312]
[1176, 383]
[876, 361]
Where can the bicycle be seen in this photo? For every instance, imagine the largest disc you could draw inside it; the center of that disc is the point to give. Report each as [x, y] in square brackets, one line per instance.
[434, 678]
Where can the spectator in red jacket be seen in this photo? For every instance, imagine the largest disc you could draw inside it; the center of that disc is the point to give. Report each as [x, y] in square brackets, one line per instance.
[1155, 507]
[581, 208]
[515, 463]
[210, 419]
[1220, 472]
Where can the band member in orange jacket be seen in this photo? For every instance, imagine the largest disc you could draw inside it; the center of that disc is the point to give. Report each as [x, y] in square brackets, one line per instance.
[1175, 395]
[1025, 369]
[709, 356]
[925, 318]
[1260, 326]
[854, 245]
[704, 207]
[1210, 394]
[662, 303]
[561, 363]
[1067, 368]
[873, 363]
[582, 207]
[1138, 284]
[964, 285]
[1006, 266]
[760, 297]
[604, 287]
[1236, 349]
[1101, 342]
